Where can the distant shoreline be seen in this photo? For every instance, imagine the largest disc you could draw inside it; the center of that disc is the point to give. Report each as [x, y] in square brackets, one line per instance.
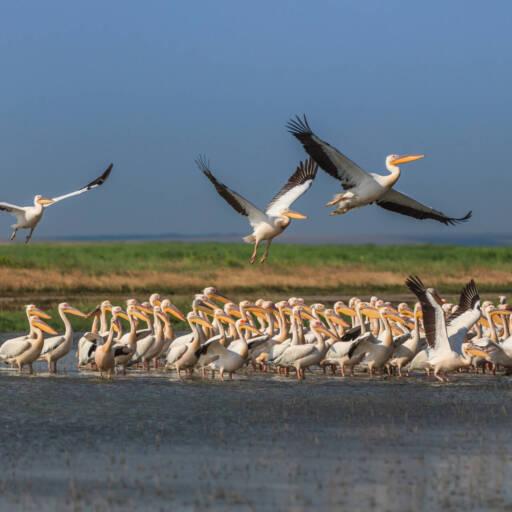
[465, 239]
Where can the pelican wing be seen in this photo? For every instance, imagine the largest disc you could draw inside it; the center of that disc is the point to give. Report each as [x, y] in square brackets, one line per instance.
[50, 344]
[143, 345]
[400, 203]
[236, 201]
[175, 353]
[93, 184]
[17, 211]
[12, 208]
[465, 317]
[296, 352]
[120, 349]
[433, 315]
[469, 297]
[10, 350]
[299, 183]
[328, 158]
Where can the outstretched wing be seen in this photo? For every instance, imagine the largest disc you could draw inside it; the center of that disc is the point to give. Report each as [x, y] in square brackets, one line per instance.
[459, 323]
[17, 211]
[236, 201]
[93, 184]
[400, 203]
[298, 183]
[433, 317]
[328, 158]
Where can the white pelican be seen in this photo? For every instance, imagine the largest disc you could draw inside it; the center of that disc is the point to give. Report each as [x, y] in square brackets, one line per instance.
[127, 345]
[26, 351]
[378, 351]
[57, 347]
[303, 356]
[445, 352]
[104, 354]
[363, 188]
[404, 353]
[89, 341]
[168, 307]
[30, 310]
[276, 218]
[28, 217]
[183, 356]
[150, 345]
[227, 360]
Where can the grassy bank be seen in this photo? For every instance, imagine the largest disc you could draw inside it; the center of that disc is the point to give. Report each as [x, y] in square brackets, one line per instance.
[86, 272]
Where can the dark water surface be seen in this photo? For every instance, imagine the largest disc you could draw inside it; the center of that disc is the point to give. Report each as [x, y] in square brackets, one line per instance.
[261, 442]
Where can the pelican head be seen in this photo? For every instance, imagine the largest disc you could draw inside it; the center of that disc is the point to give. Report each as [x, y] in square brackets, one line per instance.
[64, 307]
[155, 299]
[37, 323]
[33, 310]
[393, 161]
[213, 294]
[43, 201]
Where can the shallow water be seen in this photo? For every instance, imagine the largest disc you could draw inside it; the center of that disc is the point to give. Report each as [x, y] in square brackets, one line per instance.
[261, 442]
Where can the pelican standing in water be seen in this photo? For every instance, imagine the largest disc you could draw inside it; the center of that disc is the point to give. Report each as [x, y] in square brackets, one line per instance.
[26, 352]
[57, 347]
[104, 355]
[277, 217]
[28, 217]
[363, 188]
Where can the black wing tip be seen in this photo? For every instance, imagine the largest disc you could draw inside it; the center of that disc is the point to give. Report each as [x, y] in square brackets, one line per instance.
[308, 169]
[471, 291]
[203, 164]
[452, 221]
[299, 126]
[102, 178]
[415, 284]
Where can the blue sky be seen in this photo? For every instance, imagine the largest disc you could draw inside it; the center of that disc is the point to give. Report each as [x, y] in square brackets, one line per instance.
[150, 85]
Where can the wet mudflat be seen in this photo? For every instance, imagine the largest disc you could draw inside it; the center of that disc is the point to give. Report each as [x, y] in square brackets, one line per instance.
[261, 442]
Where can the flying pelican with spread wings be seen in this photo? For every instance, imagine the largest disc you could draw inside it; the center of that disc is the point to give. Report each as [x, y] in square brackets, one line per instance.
[360, 187]
[28, 217]
[277, 217]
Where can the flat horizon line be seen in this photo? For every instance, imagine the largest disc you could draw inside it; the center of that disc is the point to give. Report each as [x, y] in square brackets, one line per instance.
[468, 239]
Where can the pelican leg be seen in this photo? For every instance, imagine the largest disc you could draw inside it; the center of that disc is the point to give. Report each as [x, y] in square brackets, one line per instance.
[437, 376]
[221, 373]
[29, 236]
[265, 254]
[255, 251]
[13, 236]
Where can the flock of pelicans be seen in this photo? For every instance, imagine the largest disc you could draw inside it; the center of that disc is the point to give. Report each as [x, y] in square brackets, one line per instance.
[432, 336]
[360, 189]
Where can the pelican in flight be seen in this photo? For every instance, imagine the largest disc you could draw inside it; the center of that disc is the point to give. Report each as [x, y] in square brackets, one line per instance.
[360, 187]
[28, 217]
[276, 218]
